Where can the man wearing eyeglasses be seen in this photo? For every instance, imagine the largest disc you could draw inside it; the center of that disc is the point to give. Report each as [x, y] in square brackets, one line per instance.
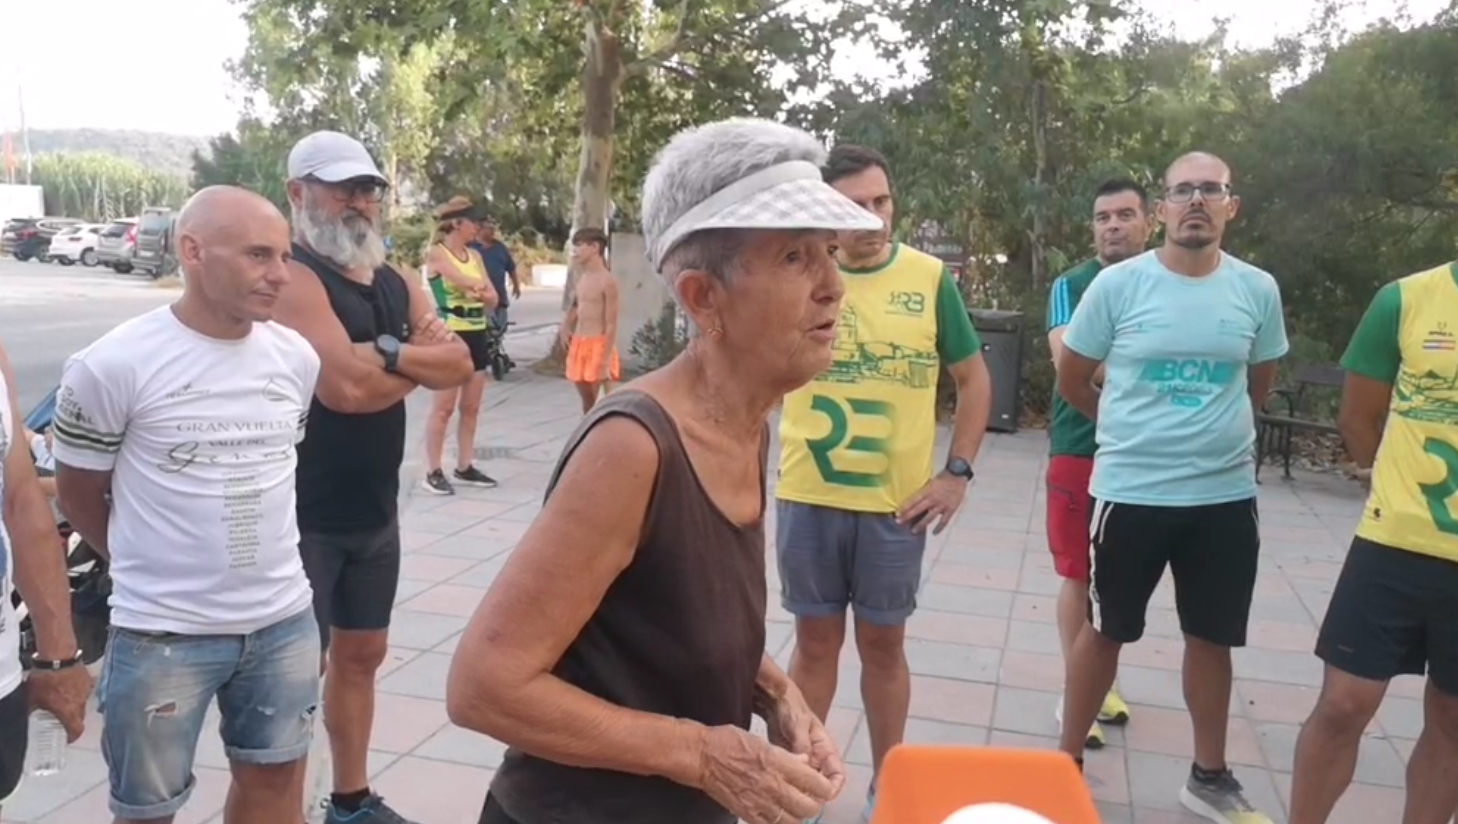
[378, 338]
[1188, 337]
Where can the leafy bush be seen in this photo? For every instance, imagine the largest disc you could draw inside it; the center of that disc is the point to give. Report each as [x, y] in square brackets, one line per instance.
[659, 341]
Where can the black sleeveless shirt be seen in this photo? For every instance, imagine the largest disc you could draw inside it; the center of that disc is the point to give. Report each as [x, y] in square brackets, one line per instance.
[349, 465]
[679, 633]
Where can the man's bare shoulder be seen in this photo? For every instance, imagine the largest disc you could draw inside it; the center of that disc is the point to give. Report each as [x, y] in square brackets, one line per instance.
[302, 302]
[302, 279]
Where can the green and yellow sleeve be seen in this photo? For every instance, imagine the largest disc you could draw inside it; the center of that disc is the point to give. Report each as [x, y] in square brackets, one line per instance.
[1375, 350]
[957, 340]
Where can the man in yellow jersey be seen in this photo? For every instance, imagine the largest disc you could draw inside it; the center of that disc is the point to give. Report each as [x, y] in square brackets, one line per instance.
[1395, 607]
[856, 491]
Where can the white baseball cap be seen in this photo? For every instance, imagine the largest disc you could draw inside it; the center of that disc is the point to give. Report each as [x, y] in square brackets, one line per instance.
[333, 158]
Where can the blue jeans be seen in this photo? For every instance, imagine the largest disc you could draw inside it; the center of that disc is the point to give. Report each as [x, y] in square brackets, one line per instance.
[154, 695]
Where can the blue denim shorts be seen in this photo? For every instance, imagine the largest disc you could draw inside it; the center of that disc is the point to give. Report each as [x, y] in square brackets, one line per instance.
[154, 695]
[831, 559]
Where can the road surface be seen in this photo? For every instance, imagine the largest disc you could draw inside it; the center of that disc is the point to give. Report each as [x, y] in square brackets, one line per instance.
[48, 312]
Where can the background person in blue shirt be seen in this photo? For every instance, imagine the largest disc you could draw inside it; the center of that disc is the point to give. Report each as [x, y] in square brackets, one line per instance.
[1188, 337]
[499, 266]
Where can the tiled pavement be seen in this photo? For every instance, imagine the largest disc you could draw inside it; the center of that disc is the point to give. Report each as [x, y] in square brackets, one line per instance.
[983, 649]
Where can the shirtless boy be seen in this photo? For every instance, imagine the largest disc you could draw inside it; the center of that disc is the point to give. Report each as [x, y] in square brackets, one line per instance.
[590, 328]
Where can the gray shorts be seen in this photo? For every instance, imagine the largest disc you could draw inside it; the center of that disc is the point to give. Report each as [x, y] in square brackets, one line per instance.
[833, 558]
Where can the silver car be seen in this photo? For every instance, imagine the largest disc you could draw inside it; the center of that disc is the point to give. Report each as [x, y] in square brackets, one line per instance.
[116, 245]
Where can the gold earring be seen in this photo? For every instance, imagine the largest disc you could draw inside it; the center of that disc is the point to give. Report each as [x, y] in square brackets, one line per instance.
[715, 332]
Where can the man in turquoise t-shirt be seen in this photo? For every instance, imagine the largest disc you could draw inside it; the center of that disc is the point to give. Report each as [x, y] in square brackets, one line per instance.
[1188, 337]
[1121, 226]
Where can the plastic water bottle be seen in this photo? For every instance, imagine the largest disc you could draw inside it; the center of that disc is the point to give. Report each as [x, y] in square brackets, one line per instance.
[47, 751]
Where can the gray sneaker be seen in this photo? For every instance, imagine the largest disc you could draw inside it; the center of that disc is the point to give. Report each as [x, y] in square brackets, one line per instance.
[1220, 799]
[436, 484]
[374, 810]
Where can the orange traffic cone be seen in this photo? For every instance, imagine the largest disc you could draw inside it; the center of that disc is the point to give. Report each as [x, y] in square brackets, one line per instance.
[981, 785]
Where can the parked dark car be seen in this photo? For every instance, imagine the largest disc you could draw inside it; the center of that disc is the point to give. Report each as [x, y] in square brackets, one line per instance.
[153, 250]
[30, 237]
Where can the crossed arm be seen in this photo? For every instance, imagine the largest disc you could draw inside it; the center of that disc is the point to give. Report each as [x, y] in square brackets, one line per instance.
[352, 377]
[443, 264]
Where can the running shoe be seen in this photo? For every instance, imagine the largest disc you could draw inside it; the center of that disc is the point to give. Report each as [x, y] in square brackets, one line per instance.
[471, 476]
[436, 484]
[374, 810]
[1221, 799]
[1114, 711]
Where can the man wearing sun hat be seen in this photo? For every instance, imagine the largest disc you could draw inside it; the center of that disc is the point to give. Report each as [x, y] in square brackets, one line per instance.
[857, 493]
[378, 339]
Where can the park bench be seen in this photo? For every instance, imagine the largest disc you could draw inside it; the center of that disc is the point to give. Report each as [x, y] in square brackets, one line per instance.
[1276, 426]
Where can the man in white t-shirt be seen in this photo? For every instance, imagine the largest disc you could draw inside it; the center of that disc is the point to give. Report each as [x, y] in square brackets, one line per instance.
[58, 684]
[189, 416]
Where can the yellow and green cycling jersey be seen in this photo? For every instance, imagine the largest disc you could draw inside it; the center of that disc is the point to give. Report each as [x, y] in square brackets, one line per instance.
[860, 436]
[1408, 339]
[460, 311]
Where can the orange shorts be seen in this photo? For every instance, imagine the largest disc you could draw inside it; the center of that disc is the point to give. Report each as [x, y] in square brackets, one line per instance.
[586, 356]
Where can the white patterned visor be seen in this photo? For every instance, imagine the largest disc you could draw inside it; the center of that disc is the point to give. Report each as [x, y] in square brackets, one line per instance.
[788, 196]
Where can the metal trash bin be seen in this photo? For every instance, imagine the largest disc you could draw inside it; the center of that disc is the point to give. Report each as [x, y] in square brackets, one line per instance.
[1002, 349]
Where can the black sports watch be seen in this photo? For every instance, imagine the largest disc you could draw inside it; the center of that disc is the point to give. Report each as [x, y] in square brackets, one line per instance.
[389, 348]
[958, 468]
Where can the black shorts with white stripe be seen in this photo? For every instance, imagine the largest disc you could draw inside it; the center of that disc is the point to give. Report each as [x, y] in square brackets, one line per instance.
[1212, 552]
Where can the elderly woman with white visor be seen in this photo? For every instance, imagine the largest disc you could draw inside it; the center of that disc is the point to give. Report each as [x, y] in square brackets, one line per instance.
[621, 651]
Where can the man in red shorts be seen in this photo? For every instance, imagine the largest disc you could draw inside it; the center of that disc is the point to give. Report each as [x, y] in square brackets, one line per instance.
[1121, 228]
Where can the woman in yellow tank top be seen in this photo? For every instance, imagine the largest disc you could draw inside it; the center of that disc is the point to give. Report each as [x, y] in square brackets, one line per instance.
[466, 298]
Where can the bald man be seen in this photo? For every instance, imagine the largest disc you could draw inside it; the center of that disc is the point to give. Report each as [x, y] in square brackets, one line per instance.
[188, 416]
[1188, 337]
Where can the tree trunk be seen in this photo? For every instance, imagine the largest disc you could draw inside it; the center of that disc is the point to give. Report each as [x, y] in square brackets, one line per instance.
[392, 170]
[602, 76]
[1040, 170]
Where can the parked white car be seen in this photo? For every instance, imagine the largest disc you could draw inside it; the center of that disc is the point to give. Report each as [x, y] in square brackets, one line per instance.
[76, 245]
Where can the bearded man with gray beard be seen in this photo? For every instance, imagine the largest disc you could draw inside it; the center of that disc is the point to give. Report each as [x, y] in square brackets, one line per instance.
[378, 338]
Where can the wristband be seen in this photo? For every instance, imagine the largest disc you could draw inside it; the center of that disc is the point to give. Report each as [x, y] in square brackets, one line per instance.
[38, 663]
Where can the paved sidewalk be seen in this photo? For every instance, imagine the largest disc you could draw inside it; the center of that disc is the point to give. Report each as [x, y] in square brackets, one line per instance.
[984, 650]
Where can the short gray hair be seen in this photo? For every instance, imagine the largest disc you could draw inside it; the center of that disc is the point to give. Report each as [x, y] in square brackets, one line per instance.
[700, 161]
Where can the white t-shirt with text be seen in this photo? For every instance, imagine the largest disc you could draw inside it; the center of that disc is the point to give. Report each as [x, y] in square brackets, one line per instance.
[200, 435]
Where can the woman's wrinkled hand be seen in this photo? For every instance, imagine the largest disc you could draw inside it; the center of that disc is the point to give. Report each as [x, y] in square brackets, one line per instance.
[758, 781]
[794, 726]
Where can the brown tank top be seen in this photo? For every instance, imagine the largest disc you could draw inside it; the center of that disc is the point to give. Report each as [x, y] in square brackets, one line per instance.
[680, 633]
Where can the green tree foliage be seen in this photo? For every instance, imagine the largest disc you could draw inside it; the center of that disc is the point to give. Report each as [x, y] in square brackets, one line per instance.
[1351, 179]
[513, 96]
[1344, 147]
[254, 158]
[99, 187]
